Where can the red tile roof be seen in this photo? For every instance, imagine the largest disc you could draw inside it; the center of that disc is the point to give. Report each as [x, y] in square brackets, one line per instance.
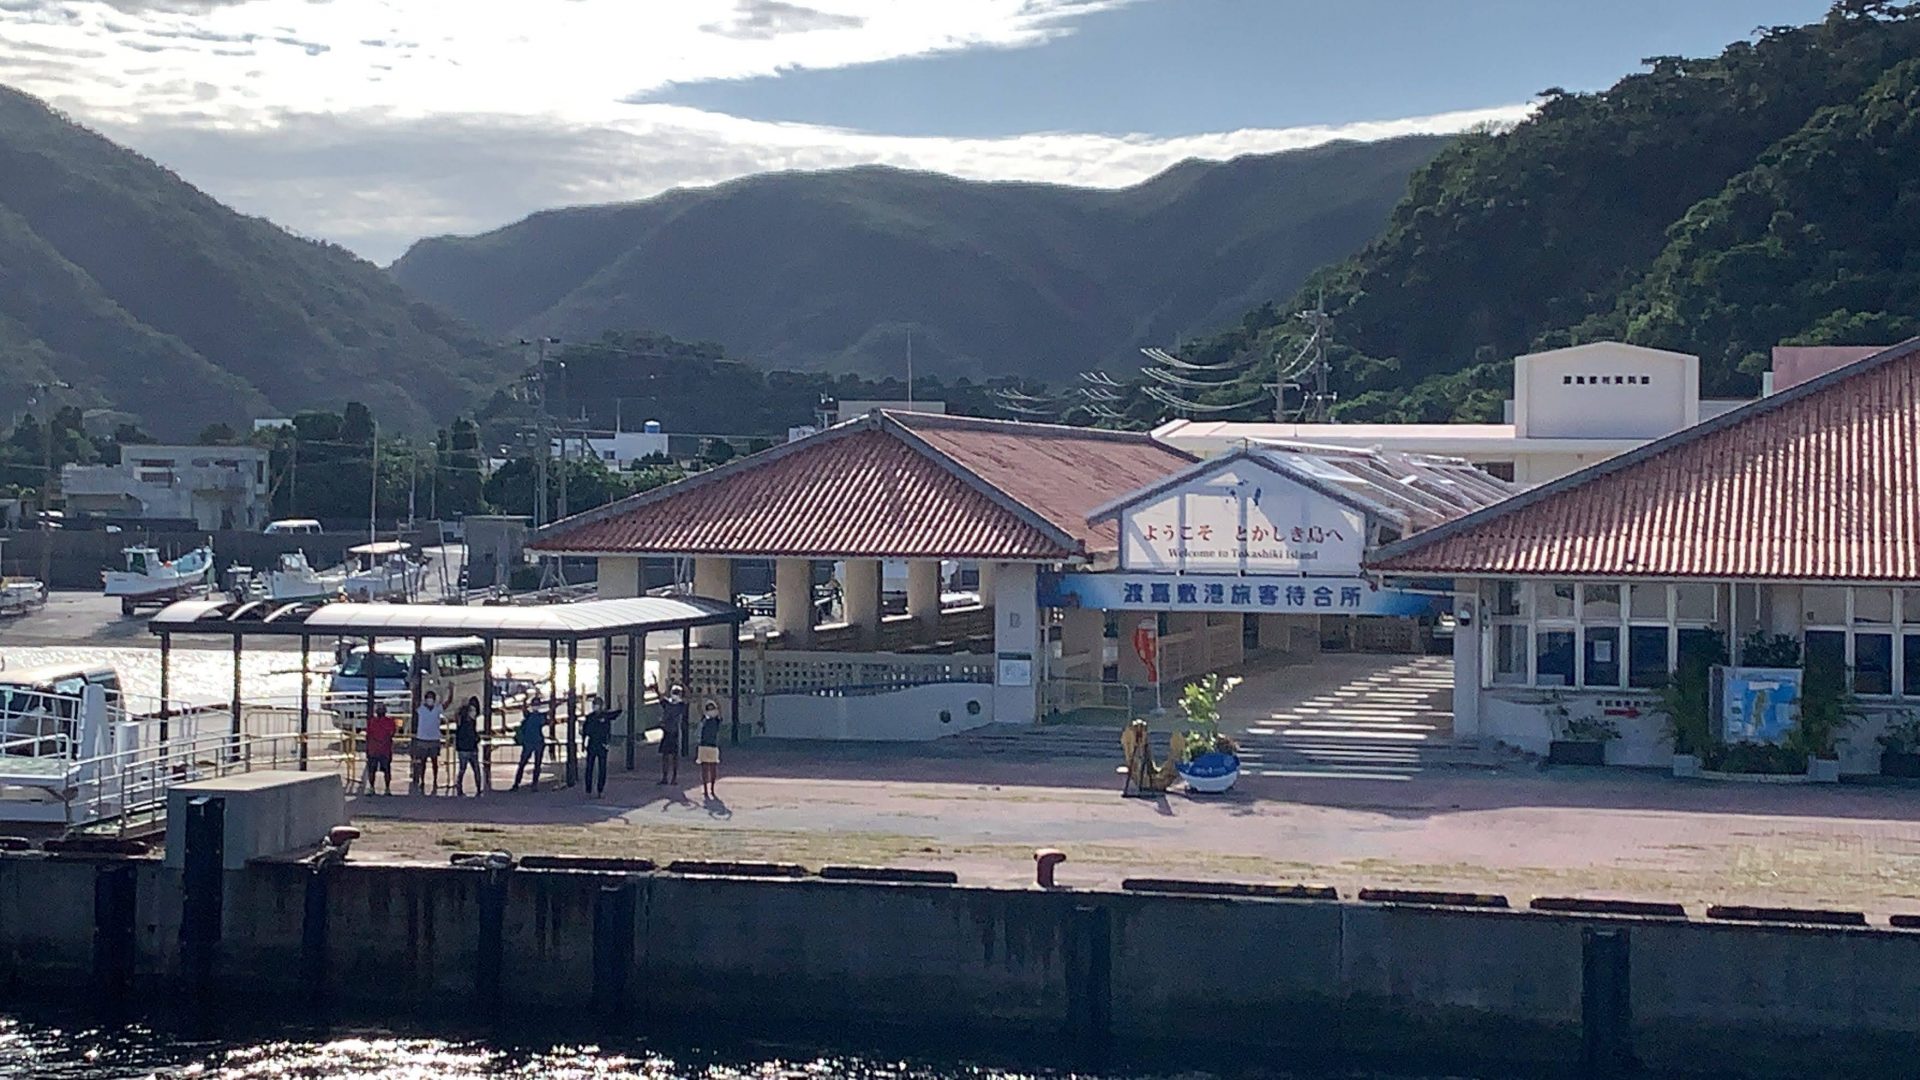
[1821, 482]
[887, 486]
[1061, 473]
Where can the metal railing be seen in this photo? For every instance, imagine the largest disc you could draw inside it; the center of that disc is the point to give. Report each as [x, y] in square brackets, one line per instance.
[128, 789]
[1067, 696]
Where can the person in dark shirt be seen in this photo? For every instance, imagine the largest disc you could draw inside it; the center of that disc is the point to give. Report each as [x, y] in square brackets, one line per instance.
[598, 730]
[466, 748]
[673, 731]
[532, 737]
[380, 731]
[709, 753]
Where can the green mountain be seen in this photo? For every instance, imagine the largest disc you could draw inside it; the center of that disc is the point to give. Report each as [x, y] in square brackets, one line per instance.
[150, 297]
[1718, 206]
[831, 271]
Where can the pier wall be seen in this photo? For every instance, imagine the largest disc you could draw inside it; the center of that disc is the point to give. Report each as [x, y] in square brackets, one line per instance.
[78, 555]
[1278, 979]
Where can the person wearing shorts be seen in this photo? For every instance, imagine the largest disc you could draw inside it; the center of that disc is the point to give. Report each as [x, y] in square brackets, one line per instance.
[708, 755]
[380, 729]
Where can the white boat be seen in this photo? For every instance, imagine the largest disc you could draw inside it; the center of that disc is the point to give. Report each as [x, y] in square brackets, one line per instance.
[20, 595]
[296, 579]
[384, 571]
[149, 579]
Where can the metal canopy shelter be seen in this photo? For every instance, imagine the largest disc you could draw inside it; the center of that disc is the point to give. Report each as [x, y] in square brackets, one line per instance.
[602, 620]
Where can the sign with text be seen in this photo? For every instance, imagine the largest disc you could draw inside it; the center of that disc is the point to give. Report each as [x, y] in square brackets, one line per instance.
[1123, 591]
[1243, 518]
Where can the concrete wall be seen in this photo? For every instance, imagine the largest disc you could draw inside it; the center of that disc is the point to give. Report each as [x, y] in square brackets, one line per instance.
[1595, 391]
[1359, 982]
[914, 714]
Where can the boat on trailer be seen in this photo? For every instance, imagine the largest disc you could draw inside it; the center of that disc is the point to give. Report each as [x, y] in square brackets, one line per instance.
[149, 579]
[19, 595]
[386, 570]
[294, 578]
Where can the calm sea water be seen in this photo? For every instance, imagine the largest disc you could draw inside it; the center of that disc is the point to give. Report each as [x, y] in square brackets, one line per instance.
[56, 1045]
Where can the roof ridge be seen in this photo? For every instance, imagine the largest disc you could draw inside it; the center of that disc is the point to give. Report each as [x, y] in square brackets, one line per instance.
[954, 420]
[1031, 517]
[1666, 444]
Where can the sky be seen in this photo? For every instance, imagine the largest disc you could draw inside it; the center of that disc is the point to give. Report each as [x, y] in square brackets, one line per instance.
[372, 123]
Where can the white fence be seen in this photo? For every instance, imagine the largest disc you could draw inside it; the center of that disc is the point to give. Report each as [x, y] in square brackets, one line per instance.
[913, 714]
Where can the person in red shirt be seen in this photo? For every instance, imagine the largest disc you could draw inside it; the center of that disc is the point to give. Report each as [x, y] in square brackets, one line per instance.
[380, 729]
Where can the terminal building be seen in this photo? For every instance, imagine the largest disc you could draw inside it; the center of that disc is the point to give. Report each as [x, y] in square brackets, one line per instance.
[1797, 515]
[1076, 538]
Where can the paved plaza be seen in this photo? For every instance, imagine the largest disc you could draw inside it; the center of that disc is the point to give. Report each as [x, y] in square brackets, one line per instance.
[1351, 780]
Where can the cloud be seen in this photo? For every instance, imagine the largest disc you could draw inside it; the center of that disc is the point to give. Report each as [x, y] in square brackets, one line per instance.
[763, 19]
[375, 184]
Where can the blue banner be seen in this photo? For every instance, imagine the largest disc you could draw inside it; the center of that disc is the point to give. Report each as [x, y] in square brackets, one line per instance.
[1121, 591]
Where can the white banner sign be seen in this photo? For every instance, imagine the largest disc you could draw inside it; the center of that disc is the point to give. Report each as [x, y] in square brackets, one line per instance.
[1242, 519]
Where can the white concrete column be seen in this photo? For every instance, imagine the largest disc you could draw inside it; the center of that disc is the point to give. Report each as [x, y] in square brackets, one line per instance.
[1016, 644]
[713, 580]
[793, 601]
[860, 595]
[986, 583]
[923, 597]
[620, 577]
[1469, 633]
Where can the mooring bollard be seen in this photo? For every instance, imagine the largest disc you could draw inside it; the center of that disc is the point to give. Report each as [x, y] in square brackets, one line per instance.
[1044, 862]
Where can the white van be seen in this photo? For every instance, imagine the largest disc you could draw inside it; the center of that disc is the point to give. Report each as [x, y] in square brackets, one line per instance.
[455, 669]
[292, 527]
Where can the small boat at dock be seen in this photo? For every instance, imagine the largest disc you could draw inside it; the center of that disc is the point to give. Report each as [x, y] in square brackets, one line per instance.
[149, 579]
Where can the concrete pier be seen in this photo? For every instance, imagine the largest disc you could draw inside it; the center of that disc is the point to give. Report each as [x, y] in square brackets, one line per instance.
[1346, 981]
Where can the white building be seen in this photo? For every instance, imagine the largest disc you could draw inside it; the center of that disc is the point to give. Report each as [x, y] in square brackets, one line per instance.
[215, 487]
[1785, 527]
[618, 450]
[1570, 408]
[853, 410]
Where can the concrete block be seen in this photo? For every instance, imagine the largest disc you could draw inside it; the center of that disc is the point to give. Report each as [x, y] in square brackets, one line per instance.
[268, 812]
[46, 923]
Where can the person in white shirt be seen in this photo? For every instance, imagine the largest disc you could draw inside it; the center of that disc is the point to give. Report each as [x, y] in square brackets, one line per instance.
[426, 742]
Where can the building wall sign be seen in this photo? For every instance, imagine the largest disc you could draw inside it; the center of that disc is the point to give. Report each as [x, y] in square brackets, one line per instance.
[1126, 591]
[1243, 518]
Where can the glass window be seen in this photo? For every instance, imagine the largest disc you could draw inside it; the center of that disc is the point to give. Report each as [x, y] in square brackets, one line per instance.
[1600, 603]
[1910, 603]
[1872, 605]
[1510, 654]
[1603, 656]
[1646, 654]
[1824, 606]
[1826, 648]
[1911, 662]
[1873, 663]
[1647, 602]
[1555, 600]
[1556, 658]
[1696, 603]
[1699, 646]
[1510, 599]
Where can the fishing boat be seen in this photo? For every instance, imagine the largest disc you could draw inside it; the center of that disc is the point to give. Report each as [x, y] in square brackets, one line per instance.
[294, 578]
[386, 570]
[150, 579]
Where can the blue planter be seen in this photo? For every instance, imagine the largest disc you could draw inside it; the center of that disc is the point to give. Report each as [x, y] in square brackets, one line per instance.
[1210, 774]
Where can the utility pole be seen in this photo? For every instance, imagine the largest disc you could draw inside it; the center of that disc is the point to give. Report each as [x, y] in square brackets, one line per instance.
[433, 482]
[909, 369]
[413, 483]
[545, 448]
[373, 487]
[1320, 409]
[44, 391]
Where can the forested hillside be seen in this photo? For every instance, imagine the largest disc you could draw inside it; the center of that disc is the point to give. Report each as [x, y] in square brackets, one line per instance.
[832, 271]
[1719, 206]
[150, 297]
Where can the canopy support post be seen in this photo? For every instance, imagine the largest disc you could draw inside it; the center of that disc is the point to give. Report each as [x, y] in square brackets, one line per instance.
[485, 779]
[234, 748]
[733, 710]
[306, 679]
[686, 675]
[573, 712]
[166, 684]
[636, 658]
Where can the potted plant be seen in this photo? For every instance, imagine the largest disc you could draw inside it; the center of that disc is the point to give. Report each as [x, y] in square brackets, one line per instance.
[1578, 740]
[1900, 746]
[1686, 701]
[1827, 708]
[1208, 761]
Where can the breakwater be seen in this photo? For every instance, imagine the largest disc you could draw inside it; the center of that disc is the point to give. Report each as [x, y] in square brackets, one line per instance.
[1276, 979]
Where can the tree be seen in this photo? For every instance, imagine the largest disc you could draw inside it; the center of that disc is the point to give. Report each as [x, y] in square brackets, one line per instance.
[217, 434]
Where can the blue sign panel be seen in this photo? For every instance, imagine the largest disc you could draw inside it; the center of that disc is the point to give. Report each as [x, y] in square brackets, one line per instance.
[1211, 592]
[1760, 704]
